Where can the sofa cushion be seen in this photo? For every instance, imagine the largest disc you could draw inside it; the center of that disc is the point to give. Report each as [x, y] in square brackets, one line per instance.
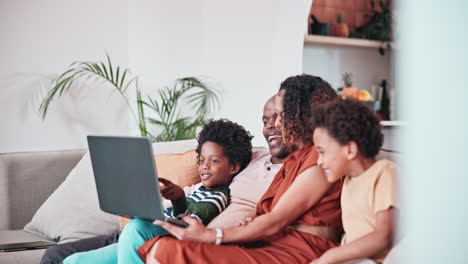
[25, 256]
[180, 168]
[72, 211]
[18, 236]
[22, 185]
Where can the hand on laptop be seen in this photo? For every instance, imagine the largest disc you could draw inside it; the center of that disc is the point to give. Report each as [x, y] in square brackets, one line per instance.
[170, 190]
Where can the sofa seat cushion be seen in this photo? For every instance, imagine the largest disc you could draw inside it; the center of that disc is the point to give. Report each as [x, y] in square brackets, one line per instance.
[23, 257]
[20, 236]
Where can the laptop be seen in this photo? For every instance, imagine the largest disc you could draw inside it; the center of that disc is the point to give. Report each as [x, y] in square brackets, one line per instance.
[126, 177]
[26, 246]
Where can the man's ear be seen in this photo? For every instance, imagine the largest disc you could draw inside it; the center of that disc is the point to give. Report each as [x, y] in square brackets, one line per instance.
[235, 168]
[352, 150]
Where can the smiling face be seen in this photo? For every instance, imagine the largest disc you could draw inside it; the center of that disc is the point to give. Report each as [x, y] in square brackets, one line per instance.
[279, 110]
[272, 134]
[333, 157]
[215, 169]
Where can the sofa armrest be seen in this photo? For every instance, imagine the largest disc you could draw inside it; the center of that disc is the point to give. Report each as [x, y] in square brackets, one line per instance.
[27, 179]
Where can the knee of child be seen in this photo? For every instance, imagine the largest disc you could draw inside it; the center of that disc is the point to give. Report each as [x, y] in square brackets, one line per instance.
[135, 225]
[73, 259]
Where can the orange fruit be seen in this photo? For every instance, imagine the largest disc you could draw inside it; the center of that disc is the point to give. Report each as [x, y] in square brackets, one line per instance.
[364, 95]
[350, 92]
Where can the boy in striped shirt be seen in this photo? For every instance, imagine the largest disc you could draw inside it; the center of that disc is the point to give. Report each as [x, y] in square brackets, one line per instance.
[198, 201]
[224, 149]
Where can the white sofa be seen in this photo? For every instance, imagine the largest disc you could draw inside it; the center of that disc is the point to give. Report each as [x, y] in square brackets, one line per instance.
[27, 180]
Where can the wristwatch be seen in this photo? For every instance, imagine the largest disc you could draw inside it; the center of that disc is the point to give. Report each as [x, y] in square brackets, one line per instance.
[219, 236]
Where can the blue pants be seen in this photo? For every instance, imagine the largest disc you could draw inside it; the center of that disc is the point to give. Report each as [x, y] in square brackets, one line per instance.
[134, 234]
[58, 253]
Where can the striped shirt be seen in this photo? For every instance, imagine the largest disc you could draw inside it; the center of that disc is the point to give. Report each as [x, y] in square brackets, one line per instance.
[202, 204]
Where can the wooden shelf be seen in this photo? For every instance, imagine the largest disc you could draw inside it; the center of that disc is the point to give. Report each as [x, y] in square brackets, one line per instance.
[393, 123]
[344, 42]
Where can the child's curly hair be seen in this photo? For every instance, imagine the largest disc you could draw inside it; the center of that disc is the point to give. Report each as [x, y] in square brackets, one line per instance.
[236, 141]
[301, 92]
[350, 120]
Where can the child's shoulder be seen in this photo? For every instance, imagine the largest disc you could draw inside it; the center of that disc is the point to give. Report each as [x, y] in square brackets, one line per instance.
[383, 169]
[385, 164]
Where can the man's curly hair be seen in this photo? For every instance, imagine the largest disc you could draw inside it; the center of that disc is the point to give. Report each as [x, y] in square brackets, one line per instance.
[301, 92]
[236, 141]
[350, 120]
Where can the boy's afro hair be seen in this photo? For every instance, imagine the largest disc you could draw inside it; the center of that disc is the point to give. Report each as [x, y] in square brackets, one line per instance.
[350, 120]
[236, 141]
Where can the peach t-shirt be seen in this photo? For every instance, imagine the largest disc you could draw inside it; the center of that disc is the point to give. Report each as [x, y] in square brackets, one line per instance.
[364, 196]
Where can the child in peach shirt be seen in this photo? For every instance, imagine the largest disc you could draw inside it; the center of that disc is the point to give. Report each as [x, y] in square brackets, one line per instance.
[348, 138]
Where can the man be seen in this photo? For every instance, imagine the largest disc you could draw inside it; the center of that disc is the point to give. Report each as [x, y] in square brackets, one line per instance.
[250, 184]
[246, 189]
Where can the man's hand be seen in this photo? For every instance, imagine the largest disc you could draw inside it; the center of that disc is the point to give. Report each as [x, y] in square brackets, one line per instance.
[170, 190]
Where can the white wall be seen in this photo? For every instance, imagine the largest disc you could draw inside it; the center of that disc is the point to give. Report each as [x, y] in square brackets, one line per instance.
[367, 66]
[245, 48]
[40, 39]
[432, 68]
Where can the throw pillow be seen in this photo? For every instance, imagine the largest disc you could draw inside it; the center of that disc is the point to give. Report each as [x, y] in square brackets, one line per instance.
[180, 168]
[72, 211]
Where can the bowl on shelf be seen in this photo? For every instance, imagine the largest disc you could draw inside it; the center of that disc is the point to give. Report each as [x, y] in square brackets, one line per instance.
[374, 105]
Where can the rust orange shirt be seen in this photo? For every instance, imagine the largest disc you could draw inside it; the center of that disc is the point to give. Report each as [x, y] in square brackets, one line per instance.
[326, 212]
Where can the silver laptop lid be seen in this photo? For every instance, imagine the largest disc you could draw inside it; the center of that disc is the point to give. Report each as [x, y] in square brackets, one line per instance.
[126, 176]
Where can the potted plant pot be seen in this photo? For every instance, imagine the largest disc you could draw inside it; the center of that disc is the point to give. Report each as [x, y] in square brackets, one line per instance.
[341, 29]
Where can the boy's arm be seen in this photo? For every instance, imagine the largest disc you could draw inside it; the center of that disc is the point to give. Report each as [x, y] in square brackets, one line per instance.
[173, 192]
[366, 246]
[179, 206]
[205, 211]
[206, 205]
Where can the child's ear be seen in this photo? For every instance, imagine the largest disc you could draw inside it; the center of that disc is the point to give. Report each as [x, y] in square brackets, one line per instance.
[352, 150]
[235, 168]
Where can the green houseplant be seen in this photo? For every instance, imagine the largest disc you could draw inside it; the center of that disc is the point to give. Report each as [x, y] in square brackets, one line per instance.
[379, 25]
[166, 113]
